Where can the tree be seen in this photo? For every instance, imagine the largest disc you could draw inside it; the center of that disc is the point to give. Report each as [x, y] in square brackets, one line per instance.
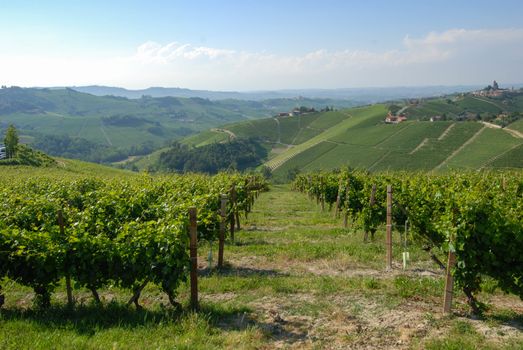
[11, 141]
[266, 172]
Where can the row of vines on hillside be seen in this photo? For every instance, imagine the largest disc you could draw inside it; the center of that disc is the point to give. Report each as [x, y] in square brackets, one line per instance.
[479, 216]
[98, 232]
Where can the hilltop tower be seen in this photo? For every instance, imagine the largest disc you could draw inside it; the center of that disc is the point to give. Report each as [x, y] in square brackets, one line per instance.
[495, 85]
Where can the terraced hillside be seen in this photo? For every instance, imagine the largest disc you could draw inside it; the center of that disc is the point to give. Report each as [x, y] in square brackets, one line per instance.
[411, 145]
[359, 138]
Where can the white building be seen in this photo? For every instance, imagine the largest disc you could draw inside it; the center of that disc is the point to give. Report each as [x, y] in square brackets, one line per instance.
[2, 151]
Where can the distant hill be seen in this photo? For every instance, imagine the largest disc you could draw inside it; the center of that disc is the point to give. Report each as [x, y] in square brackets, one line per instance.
[359, 138]
[65, 122]
[337, 96]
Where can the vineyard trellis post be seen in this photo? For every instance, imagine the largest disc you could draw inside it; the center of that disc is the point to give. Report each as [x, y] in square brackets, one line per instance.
[68, 287]
[372, 201]
[221, 238]
[322, 194]
[346, 216]
[194, 257]
[233, 205]
[338, 199]
[449, 283]
[389, 227]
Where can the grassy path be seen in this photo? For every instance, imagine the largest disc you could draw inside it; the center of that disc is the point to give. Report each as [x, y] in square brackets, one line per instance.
[293, 280]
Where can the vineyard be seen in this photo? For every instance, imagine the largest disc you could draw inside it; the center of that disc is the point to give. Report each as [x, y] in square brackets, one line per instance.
[306, 268]
[96, 232]
[477, 218]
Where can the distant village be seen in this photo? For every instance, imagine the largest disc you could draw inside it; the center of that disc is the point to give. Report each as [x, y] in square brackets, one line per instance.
[303, 110]
[491, 91]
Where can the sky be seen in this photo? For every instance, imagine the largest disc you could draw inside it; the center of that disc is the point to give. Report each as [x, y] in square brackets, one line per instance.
[246, 45]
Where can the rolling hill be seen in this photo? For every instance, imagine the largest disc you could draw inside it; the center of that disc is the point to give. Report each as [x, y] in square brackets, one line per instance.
[359, 138]
[360, 95]
[65, 119]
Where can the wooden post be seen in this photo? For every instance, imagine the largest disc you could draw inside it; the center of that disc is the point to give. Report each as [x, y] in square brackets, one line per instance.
[322, 194]
[338, 198]
[237, 215]
[372, 200]
[389, 227]
[194, 257]
[346, 216]
[68, 287]
[233, 208]
[221, 238]
[449, 283]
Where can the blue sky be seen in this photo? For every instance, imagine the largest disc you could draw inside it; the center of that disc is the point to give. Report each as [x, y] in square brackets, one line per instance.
[252, 45]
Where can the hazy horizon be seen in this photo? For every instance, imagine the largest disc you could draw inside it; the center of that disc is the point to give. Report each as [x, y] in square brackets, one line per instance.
[251, 46]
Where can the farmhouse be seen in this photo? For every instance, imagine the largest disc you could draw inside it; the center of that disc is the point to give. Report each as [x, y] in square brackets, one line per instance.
[395, 119]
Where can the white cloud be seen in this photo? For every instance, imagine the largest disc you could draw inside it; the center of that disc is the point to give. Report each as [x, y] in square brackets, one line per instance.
[456, 56]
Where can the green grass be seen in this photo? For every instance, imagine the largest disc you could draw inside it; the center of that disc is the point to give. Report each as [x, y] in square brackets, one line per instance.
[65, 167]
[517, 125]
[118, 327]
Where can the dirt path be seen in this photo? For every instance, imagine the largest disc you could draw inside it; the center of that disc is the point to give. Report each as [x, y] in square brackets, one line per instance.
[446, 132]
[279, 129]
[105, 134]
[513, 132]
[418, 147]
[232, 135]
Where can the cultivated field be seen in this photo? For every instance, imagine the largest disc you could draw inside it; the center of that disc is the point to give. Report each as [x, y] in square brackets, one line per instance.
[293, 279]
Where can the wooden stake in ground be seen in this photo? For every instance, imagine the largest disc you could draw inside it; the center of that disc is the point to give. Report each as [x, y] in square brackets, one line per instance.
[194, 259]
[233, 208]
[372, 201]
[389, 227]
[338, 198]
[449, 283]
[346, 216]
[68, 287]
[221, 238]
[322, 194]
